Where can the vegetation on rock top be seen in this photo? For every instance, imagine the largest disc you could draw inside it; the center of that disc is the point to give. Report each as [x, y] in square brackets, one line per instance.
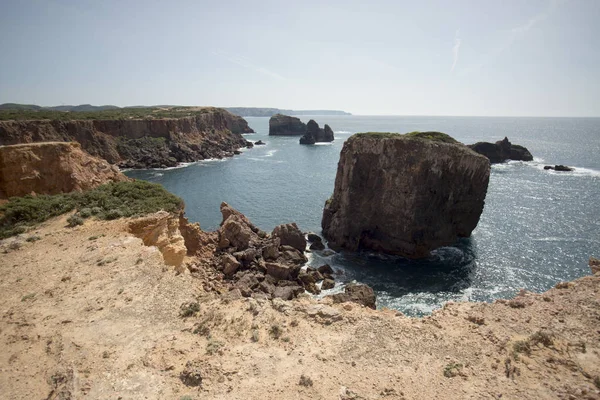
[23, 114]
[109, 201]
[431, 135]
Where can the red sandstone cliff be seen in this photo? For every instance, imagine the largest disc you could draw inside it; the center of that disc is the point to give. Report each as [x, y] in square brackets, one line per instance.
[51, 168]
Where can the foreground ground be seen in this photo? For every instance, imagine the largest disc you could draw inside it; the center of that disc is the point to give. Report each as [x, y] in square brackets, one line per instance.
[90, 312]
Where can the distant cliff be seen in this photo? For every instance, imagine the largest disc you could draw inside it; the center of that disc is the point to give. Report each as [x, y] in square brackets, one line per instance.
[268, 112]
[151, 142]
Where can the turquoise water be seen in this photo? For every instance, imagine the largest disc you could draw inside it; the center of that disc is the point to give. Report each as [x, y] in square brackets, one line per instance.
[537, 228]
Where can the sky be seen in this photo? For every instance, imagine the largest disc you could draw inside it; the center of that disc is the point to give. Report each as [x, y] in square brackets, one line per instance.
[477, 57]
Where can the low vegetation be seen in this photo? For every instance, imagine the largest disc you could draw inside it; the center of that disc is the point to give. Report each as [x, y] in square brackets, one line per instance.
[109, 201]
[435, 136]
[109, 114]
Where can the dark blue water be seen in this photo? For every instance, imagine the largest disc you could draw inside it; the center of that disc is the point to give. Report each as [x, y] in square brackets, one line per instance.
[538, 227]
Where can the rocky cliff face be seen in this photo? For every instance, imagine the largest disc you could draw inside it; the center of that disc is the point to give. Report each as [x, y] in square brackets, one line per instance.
[404, 195]
[140, 143]
[501, 151]
[283, 125]
[316, 134]
[51, 168]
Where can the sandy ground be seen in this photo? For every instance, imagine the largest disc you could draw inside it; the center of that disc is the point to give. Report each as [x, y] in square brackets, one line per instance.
[90, 312]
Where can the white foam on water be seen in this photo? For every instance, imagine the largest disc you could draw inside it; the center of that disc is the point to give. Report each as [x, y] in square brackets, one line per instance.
[343, 132]
[323, 144]
[180, 165]
[270, 153]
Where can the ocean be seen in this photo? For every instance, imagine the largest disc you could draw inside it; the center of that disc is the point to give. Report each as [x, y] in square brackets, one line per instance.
[538, 227]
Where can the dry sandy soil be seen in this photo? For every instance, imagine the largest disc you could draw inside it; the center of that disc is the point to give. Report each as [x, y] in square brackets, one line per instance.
[90, 312]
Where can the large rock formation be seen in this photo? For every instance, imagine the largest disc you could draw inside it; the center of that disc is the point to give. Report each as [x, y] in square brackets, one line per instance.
[51, 168]
[501, 151]
[405, 194]
[140, 143]
[284, 125]
[316, 134]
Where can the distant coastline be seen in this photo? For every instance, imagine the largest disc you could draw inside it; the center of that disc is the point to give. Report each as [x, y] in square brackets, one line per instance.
[240, 111]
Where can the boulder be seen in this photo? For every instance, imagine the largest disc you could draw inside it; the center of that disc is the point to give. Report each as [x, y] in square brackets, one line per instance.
[357, 293]
[230, 264]
[271, 250]
[327, 284]
[315, 134]
[290, 234]
[594, 265]
[284, 125]
[325, 269]
[562, 168]
[287, 292]
[281, 271]
[236, 230]
[405, 194]
[501, 151]
[259, 143]
[317, 246]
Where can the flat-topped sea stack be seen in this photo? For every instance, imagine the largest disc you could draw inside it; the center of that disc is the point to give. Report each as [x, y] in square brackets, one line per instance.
[405, 194]
[51, 168]
[316, 134]
[284, 125]
[501, 151]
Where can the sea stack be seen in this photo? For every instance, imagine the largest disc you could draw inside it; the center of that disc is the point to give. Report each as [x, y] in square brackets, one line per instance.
[316, 134]
[501, 151]
[405, 194]
[284, 125]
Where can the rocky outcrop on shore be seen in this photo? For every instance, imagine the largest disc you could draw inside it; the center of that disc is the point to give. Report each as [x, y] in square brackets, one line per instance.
[140, 143]
[51, 168]
[316, 134]
[501, 151]
[560, 168]
[284, 125]
[263, 265]
[404, 194]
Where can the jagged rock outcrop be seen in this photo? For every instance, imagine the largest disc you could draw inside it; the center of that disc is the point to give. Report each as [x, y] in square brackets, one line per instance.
[404, 194]
[284, 125]
[259, 264]
[316, 134]
[501, 151]
[594, 265]
[51, 168]
[140, 143]
[560, 168]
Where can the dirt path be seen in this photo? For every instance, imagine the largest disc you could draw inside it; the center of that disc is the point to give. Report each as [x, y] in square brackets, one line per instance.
[90, 312]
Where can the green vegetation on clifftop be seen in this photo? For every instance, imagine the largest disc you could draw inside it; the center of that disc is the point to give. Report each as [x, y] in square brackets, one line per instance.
[108, 114]
[435, 136]
[110, 201]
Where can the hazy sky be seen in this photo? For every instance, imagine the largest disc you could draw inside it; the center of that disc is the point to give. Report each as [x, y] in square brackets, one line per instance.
[500, 57]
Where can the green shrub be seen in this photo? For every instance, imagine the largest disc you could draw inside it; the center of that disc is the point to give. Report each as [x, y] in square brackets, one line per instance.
[85, 212]
[435, 136]
[109, 201]
[74, 220]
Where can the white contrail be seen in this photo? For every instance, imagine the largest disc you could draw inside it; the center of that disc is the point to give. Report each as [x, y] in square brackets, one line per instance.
[247, 63]
[455, 49]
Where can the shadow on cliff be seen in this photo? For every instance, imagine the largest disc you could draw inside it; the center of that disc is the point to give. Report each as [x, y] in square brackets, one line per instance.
[448, 269]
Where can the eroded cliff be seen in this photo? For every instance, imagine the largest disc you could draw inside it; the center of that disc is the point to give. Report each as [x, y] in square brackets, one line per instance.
[140, 143]
[51, 168]
[405, 194]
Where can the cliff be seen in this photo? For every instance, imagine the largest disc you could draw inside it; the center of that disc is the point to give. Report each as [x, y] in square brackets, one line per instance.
[404, 194]
[139, 143]
[51, 168]
[501, 151]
